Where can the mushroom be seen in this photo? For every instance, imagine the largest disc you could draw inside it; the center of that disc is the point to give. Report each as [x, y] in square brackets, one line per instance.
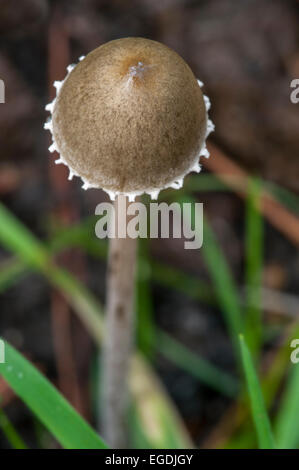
[129, 118]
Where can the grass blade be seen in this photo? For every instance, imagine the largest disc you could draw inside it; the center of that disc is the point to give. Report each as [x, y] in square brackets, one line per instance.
[47, 403]
[258, 409]
[287, 430]
[289, 199]
[11, 271]
[146, 331]
[224, 283]
[196, 366]
[254, 235]
[15, 237]
[157, 416]
[10, 432]
[205, 182]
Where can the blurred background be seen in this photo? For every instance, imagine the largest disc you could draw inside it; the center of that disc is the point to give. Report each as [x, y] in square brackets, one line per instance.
[190, 305]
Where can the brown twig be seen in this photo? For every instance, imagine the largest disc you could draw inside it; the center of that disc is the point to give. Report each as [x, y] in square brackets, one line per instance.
[238, 179]
[62, 339]
[65, 213]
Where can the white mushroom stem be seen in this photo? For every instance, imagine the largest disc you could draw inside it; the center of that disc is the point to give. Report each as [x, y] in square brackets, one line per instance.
[118, 335]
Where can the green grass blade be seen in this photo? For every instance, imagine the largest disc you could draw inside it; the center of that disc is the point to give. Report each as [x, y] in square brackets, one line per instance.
[279, 366]
[196, 366]
[258, 409]
[157, 416]
[80, 235]
[11, 271]
[286, 197]
[204, 182]
[17, 238]
[146, 331]
[287, 429]
[11, 434]
[224, 283]
[254, 235]
[47, 403]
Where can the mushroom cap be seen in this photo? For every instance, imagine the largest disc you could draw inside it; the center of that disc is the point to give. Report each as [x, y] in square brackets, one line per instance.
[130, 117]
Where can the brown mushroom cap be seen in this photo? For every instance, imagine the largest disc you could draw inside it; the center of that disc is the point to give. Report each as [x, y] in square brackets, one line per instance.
[130, 117]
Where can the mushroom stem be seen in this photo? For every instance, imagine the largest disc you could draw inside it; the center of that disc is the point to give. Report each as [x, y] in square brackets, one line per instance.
[118, 332]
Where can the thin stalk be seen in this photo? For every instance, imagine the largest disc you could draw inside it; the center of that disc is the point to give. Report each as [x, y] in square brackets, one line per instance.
[118, 331]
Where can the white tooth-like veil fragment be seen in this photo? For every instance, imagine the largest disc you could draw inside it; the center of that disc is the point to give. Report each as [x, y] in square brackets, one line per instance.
[196, 168]
[205, 153]
[52, 147]
[48, 125]
[50, 106]
[57, 84]
[207, 102]
[210, 127]
[70, 67]
[111, 194]
[154, 193]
